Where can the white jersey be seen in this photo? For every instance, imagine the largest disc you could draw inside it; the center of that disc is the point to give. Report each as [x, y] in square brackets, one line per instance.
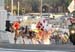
[44, 23]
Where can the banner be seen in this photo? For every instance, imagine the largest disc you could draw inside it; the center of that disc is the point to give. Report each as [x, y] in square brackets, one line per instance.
[71, 7]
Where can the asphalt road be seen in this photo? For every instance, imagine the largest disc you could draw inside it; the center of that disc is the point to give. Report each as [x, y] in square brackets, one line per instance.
[36, 48]
[24, 50]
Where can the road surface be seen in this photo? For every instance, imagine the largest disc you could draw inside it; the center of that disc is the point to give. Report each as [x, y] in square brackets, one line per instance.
[24, 50]
[36, 48]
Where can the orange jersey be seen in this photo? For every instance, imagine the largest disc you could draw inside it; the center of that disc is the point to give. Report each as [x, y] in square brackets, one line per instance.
[16, 25]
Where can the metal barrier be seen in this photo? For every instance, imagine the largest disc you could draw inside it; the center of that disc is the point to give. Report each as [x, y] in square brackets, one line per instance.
[9, 37]
[3, 36]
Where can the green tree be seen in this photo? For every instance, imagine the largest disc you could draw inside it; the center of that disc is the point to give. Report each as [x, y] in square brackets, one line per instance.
[35, 6]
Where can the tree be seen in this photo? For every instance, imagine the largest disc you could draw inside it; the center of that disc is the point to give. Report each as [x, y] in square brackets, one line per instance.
[35, 6]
